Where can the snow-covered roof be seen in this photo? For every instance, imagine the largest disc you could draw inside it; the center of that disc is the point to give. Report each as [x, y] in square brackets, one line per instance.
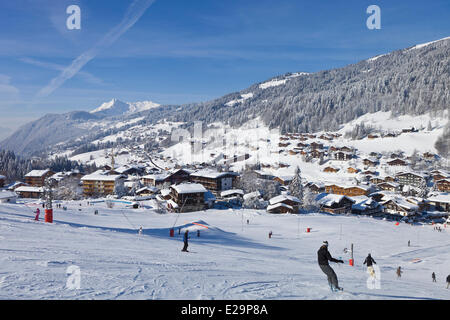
[328, 199]
[165, 192]
[29, 189]
[156, 177]
[151, 189]
[37, 173]
[189, 188]
[101, 177]
[277, 205]
[207, 173]
[363, 202]
[440, 197]
[231, 192]
[172, 203]
[401, 202]
[283, 197]
[254, 194]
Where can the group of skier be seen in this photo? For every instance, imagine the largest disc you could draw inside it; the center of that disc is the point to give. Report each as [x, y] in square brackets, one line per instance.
[323, 256]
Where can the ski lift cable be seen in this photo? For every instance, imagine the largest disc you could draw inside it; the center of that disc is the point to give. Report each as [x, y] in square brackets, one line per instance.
[121, 211]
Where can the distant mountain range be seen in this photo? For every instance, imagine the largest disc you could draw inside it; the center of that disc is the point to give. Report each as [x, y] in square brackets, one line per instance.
[411, 81]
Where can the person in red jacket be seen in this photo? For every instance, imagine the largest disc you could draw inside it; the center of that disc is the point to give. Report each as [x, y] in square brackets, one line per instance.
[323, 256]
[37, 214]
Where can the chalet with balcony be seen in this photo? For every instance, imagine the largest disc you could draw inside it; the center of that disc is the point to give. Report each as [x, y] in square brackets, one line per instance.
[36, 178]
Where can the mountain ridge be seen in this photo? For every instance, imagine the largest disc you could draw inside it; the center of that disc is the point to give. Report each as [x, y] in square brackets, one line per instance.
[406, 81]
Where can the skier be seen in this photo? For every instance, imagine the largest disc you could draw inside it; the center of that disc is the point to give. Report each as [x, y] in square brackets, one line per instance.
[409, 243]
[323, 256]
[185, 240]
[198, 233]
[140, 231]
[369, 261]
[399, 272]
[37, 214]
[433, 276]
[270, 234]
[448, 281]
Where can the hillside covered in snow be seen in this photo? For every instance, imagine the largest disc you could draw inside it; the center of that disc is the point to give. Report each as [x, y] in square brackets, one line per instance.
[231, 259]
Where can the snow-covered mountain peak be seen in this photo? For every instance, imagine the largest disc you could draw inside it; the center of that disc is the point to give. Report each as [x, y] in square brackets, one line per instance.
[116, 107]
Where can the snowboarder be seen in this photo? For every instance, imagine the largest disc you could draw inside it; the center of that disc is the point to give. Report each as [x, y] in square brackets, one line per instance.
[399, 272]
[37, 214]
[369, 261]
[448, 281]
[185, 240]
[433, 276]
[270, 234]
[323, 256]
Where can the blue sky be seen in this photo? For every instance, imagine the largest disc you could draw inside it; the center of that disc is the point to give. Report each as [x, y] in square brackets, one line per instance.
[180, 51]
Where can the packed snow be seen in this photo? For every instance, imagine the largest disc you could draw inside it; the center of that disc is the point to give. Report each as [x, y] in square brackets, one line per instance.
[230, 260]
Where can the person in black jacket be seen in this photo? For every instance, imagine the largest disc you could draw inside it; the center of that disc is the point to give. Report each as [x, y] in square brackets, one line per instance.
[433, 276]
[448, 281]
[185, 240]
[323, 256]
[370, 261]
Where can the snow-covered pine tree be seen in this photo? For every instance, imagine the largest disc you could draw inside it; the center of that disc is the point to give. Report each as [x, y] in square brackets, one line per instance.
[296, 187]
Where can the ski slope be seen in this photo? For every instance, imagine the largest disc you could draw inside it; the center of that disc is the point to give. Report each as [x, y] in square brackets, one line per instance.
[230, 260]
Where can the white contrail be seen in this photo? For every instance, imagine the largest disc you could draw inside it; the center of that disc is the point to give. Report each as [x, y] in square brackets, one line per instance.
[132, 15]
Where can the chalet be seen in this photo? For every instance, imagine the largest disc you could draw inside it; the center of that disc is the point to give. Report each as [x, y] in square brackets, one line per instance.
[284, 180]
[171, 177]
[438, 176]
[342, 156]
[443, 185]
[390, 135]
[100, 183]
[8, 197]
[333, 149]
[331, 169]
[352, 170]
[36, 178]
[284, 204]
[349, 191]
[283, 145]
[187, 197]
[315, 187]
[397, 162]
[147, 191]
[390, 179]
[130, 170]
[399, 207]
[370, 172]
[213, 180]
[373, 136]
[335, 204]
[283, 165]
[439, 201]
[155, 180]
[232, 193]
[428, 155]
[370, 162]
[2, 181]
[376, 180]
[30, 192]
[411, 178]
[346, 149]
[419, 202]
[302, 145]
[263, 175]
[366, 206]
[389, 186]
[317, 153]
[316, 145]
